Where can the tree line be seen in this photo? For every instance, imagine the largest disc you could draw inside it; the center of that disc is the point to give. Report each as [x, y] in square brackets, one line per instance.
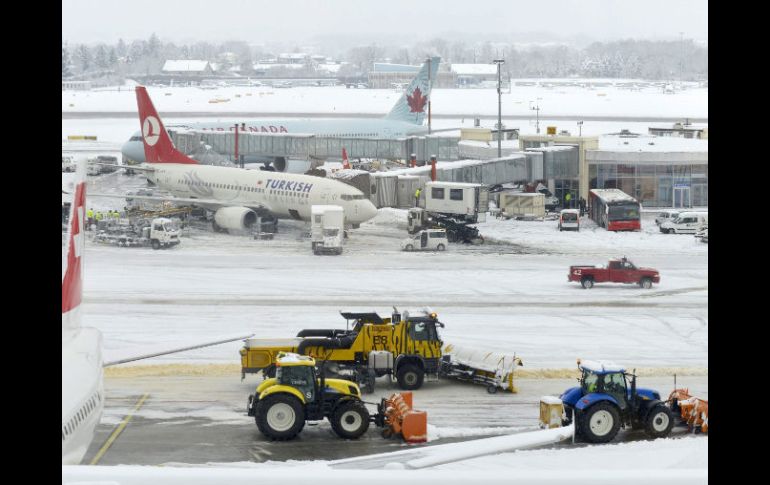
[646, 59]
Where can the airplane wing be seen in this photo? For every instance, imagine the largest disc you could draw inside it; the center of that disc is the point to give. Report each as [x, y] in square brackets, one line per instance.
[159, 352]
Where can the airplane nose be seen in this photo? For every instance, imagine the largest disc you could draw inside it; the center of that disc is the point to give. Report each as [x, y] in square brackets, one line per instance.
[366, 210]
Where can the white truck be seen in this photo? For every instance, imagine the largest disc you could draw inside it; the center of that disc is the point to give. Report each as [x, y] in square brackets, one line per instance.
[327, 229]
[158, 233]
[452, 206]
[522, 205]
[426, 240]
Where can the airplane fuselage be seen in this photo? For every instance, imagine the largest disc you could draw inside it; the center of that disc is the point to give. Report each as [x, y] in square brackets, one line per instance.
[384, 128]
[288, 196]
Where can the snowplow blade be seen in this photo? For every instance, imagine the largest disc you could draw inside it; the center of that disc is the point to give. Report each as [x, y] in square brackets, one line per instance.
[400, 419]
[694, 411]
[492, 369]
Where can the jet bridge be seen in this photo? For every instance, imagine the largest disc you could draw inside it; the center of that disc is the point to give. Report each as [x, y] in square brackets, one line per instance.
[305, 146]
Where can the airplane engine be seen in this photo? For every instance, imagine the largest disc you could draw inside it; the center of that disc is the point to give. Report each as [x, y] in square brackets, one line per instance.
[234, 218]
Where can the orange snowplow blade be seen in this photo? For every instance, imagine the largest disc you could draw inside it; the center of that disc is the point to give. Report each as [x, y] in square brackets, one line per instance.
[694, 411]
[401, 419]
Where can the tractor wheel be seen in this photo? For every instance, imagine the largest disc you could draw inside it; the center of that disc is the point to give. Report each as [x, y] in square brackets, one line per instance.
[409, 247]
[350, 420]
[600, 423]
[587, 283]
[155, 244]
[410, 377]
[441, 247]
[280, 416]
[645, 283]
[659, 421]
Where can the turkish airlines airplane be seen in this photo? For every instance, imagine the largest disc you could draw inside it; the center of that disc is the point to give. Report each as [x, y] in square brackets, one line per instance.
[237, 195]
[404, 119]
[82, 377]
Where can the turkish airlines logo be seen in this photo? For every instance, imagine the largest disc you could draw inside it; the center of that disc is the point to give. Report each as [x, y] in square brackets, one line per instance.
[151, 130]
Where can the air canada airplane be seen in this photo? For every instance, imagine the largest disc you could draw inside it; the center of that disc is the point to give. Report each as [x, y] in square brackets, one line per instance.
[237, 195]
[404, 119]
[82, 398]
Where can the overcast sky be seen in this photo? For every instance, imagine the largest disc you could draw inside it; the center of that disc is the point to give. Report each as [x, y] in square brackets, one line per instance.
[261, 21]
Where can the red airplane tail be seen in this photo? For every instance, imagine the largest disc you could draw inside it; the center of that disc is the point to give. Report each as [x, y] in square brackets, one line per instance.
[345, 162]
[72, 281]
[158, 147]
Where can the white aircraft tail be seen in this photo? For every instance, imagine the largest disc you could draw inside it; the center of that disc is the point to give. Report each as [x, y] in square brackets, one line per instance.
[158, 147]
[413, 104]
[72, 279]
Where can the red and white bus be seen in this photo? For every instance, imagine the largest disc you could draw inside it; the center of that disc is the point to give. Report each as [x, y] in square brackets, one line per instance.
[615, 210]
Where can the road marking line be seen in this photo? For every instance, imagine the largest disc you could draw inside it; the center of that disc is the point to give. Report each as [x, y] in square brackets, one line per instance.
[118, 430]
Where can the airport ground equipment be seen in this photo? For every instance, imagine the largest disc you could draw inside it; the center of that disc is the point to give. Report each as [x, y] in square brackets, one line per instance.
[397, 418]
[426, 240]
[327, 229]
[452, 206]
[693, 411]
[607, 400]
[299, 393]
[617, 271]
[522, 205]
[281, 405]
[158, 233]
[405, 346]
[492, 369]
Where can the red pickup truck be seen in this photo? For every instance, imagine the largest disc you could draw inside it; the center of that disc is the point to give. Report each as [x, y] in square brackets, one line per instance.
[617, 271]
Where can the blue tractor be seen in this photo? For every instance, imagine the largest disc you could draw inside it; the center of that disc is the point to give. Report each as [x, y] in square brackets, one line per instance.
[606, 400]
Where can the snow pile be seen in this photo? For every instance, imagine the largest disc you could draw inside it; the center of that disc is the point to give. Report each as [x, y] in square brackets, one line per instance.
[437, 433]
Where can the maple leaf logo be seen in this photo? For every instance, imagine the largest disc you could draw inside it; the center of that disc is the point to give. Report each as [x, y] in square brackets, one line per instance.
[416, 101]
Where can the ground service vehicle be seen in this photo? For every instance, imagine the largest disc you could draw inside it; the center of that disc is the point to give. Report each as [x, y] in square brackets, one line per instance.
[615, 210]
[569, 220]
[283, 403]
[451, 206]
[67, 164]
[327, 229]
[685, 223]
[617, 271]
[158, 233]
[665, 216]
[426, 240]
[606, 400]
[405, 346]
[703, 232]
[522, 205]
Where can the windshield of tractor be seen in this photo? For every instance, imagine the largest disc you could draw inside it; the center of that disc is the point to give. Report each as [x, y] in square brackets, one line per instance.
[590, 382]
[298, 376]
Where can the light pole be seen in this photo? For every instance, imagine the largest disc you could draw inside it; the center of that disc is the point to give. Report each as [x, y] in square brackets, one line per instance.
[580, 128]
[499, 63]
[537, 111]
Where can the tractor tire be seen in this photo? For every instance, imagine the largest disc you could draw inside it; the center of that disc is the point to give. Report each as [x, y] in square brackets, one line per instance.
[599, 423]
[280, 416]
[587, 283]
[441, 247]
[155, 244]
[645, 283]
[350, 420]
[410, 377]
[659, 421]
[409, 247]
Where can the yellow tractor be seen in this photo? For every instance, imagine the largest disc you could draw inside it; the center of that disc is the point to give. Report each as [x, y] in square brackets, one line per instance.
[283, 403]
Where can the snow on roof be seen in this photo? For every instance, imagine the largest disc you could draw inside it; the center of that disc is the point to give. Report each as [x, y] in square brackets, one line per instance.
[601, 366]
[471, 69]
[459, 185]
[612, 195]
[652, 144]
[185, 65]
[290, 357]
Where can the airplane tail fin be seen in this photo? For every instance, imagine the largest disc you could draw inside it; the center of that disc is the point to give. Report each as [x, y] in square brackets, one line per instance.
[158, 147]
[72, 280]
[413, 104]
[345, 161]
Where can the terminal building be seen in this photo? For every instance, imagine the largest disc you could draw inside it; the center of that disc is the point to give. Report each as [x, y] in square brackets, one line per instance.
[657, 171]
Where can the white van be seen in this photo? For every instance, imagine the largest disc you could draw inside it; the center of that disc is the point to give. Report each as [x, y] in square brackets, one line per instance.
[666, 216]
[685, 223]
[569, 220]
[427, 239]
